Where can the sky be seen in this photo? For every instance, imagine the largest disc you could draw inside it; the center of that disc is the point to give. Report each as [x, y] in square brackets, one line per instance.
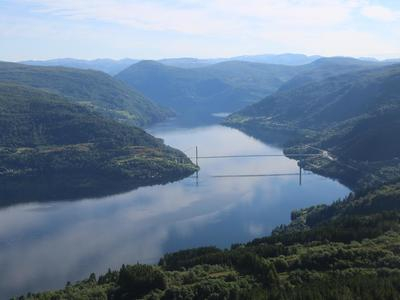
[153, 29]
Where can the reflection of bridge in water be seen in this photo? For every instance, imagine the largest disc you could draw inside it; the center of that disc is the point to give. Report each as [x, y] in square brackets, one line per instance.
[297, 156]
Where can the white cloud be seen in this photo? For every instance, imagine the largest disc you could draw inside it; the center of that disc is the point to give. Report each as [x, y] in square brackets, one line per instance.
[156, 28]
[380, 13]
[203, 17]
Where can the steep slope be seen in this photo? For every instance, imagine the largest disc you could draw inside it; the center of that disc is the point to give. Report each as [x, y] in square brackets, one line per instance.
[323, 103]
[95, 89]
[354, 116]
[109, 66]
[53, 149]
[225, 86]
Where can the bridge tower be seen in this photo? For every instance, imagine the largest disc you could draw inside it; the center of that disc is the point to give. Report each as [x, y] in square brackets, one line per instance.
[197, 157]
[300, 174]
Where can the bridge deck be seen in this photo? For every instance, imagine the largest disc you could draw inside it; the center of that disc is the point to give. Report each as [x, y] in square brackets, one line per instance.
[255, 155]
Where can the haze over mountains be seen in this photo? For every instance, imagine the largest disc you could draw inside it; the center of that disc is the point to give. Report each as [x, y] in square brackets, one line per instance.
[113, 67]
[109, 66]
[228, 86]
[191, 86]
[225, 86]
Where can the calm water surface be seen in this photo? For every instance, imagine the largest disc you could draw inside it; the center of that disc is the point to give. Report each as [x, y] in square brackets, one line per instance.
[42, 246]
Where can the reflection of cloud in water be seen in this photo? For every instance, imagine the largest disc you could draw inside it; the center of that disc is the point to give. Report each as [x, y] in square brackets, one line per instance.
[185, 228]
[65, 241]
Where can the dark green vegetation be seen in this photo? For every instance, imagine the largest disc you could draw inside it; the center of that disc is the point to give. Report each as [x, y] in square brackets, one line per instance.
[51, 148]
[219, 87]
[94, 89]
[347, 250]
[354, 116]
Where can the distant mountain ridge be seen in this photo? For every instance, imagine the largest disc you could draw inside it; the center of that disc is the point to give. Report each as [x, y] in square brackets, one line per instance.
[114, 66]
[109, 66]
[226, 86]
[324, 68]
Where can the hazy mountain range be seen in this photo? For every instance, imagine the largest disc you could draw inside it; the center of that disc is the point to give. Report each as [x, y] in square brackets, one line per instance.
[225, 86]
[230, 85]
[114, 66]
[109, 66]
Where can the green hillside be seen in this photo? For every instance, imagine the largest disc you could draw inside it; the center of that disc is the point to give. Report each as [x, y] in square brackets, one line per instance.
[354, 116]
[53, 149]
[226, 86]
[95, 89]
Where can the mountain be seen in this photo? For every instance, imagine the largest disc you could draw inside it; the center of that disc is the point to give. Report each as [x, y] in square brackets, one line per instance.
[324, 68]
[113, 66]
[186, 62]
[288, 59]
[393, 60]
[354, 116]
[53, 149]
[95, 89]
[257, 79]
[226, 86]
[106, 65]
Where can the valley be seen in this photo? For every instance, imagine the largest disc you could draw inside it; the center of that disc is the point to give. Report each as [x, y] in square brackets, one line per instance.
[200, 150]
[253, 230]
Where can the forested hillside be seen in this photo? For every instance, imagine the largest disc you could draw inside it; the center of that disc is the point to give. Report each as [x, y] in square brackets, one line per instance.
[54, 148]
[96, 90]
[354, 116]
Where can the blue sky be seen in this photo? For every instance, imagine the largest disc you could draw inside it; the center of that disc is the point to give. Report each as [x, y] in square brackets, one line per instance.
[43, 29]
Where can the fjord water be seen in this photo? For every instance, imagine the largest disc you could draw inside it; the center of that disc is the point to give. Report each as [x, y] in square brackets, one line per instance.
[44, 245]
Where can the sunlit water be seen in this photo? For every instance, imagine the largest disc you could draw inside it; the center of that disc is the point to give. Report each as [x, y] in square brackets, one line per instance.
[42, 246]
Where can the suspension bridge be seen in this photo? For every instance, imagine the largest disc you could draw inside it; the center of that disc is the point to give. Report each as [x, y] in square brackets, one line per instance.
[298, 156]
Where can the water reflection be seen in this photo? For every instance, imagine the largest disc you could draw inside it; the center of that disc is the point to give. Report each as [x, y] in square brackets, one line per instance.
[43, 246]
